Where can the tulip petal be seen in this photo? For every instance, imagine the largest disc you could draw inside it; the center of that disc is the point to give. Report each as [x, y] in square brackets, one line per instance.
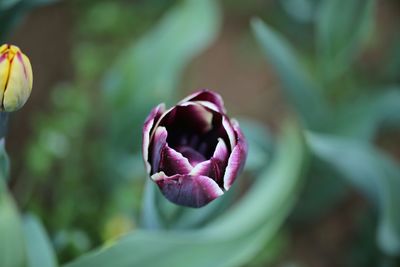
[173, 162]
[188, 190]
[210, 168]
[221, 151]
[192, 155]
[203, 168]
[214, 167]
[237, 158]
[206, 95]
[219, 160]
[209, 105]
[230, 131]
[188, 116]
[159, 142]
[28, 68]
[4, 72]
[155, 114]
[19, 83]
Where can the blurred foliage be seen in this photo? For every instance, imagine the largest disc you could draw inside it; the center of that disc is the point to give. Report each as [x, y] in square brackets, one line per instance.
[84, 177]
[12, 249]
[13, 11]
[39, 249]
[233, 238]
[350, 123]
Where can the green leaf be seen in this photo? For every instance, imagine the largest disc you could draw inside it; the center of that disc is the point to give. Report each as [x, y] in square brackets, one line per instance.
[148, 72]
[150, 214]
[40, 252]
[8, 3]
[371, 171]
[342, 27]
[12, 248]
[322, 192]
[364, 117]
[230, 240]
[260, 142]
[298, 86]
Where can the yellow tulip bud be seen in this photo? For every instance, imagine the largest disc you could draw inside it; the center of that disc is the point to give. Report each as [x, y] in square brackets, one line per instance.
[16, 78]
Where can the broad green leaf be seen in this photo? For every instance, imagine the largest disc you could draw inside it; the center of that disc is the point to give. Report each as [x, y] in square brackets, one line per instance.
[365, 116]
[4, 4]
[40, 252]
[12, 248]
[342, 27]
[301, 10]
[272, 249]
[233, 238]
[150, 213]
[297, 84]
[322, 192]
[148, 72]
[260, 142]
[374, 173]
[276, 187]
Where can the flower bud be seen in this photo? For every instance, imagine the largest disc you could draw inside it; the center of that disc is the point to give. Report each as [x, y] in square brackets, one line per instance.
[15, 78]
[193, 151]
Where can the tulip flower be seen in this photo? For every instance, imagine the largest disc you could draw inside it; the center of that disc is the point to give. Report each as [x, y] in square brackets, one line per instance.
[193, 151]
[15, 78]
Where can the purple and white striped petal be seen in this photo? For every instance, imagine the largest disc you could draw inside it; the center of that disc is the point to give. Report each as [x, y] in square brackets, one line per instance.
[206, 95]
[230, 131]
[173, 162]
[219, 160]
[237, 158]
[209, 105]
[193, 151]
[214, 167]
[188, 190]
[159, 142]
[150, 121]
[221, 151]
[203, 168]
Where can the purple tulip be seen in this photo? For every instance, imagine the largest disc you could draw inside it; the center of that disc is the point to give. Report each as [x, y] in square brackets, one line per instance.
[193, 151]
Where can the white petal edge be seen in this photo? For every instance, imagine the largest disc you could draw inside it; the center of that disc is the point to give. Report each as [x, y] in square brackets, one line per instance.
[148, 125]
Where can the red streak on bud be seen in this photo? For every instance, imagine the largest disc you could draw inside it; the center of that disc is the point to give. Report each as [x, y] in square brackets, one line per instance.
[19, 56]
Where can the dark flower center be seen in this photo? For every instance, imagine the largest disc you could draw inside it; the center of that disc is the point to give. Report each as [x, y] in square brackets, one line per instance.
[193, 131]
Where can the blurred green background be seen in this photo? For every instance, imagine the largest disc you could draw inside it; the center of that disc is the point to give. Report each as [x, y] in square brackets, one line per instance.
[315, 85]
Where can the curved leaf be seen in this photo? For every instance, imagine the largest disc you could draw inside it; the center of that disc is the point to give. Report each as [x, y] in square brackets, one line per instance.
[339, 40]
[233, 238]
[298, 86]
[40, 252]
[374, 173]
[12, 248]
[363, 118]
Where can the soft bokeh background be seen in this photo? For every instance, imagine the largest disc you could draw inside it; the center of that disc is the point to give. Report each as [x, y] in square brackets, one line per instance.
[99, 66]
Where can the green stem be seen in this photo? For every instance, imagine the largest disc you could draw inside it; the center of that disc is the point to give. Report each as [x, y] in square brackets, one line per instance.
[4, 162]
[3, 124]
